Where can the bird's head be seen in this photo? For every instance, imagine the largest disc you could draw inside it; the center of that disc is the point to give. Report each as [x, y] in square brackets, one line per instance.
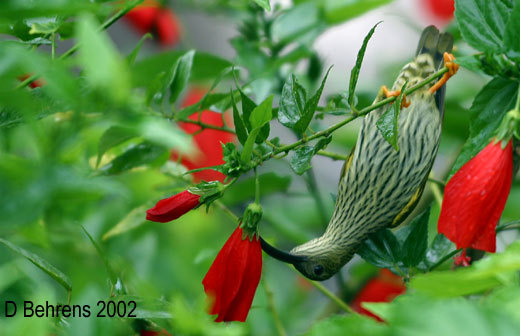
[314, 259]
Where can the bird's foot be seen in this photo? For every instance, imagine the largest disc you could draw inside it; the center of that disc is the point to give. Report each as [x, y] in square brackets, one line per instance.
[404, 103]
[452, 70]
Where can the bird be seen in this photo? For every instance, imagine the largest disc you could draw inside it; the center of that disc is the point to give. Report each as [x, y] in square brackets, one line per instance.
[380, 186]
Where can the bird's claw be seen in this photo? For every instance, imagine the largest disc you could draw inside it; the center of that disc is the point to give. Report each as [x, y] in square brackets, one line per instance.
[452, 70]
[404, 103]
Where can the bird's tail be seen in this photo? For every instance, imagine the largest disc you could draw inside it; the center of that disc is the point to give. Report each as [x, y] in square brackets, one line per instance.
[435, 44]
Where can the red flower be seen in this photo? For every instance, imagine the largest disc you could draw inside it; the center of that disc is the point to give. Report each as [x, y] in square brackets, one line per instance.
[173, 207]
[161, 21]
[208, 141]
[233, 277]
[383, 288]
[441, 9]
[475, 197]
[34, 84]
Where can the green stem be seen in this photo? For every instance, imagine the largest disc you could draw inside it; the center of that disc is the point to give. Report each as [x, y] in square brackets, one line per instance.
[508, 226]
[110, 21]
[227, 211]
[436, 190]
[257, 188]
[272, 308]
[53, 46]
[443, 259]
[204, 125]
[312, 186]
[333, 156]
[201, 169]
[342, 304]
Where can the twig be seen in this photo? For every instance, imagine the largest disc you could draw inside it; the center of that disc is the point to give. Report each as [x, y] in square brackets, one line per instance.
[342, 304]
[443, 259]
[333, 156]
[205, 125]
[272, 308]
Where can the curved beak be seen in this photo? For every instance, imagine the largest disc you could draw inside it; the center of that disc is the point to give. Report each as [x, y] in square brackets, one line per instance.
[281, 255]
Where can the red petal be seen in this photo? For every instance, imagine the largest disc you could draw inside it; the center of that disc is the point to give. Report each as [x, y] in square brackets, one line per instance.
[475, 198]
[241, 304]
[167, 27]
[220, 278]
[173, 207]
[142, 17]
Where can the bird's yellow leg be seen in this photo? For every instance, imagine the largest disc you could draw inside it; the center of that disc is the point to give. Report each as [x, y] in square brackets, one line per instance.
[452, 70]
[404, 103]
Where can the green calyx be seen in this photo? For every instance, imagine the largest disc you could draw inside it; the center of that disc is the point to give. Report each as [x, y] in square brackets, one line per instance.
[250, 220]
[509, 127]
[208, 191]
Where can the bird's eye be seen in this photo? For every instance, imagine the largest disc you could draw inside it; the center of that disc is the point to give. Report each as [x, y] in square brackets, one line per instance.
[318, 270]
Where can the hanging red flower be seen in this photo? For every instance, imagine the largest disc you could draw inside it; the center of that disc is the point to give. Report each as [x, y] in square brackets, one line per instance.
[151, 17]
[383, 288]
[208, 141]
[233, 277]
[173, 207]
[475, 197]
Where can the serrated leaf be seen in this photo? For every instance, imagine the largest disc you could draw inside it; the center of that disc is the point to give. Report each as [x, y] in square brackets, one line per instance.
[489, 107]
[240, 128]
[112, 137]
[132, 220]
[310, 107]
[42, 264]
[414, 247]
[354, 73]
[136, 156]
[292, 102]
[483, 22]
[181, 75]
[130, 59]
[381, 249]
[264, 4]
[511, 40]
[301, 159]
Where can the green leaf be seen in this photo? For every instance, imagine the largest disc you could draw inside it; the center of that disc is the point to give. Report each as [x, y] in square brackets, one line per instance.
[244, 190]
[310, 107]
[42, 264]
[181, 75]
[264, 4]
[103, 66]
[381, 249]
[262, 114]
[146, 308]
[247, 107]
[130, 59]
[388, 123]
[414, 247]
[511, 40]
[301, 159]
[337, 11]
[110, 271]
[301, 23]
[292, 102]
[112, 137]
[483, 22]
[245, 156]
[494, 271]
[488, 109]
[240, 128]
[352, 324]
[134, 219]
[135, 156]
[44, 27]
[354, 73]
[162, 132]
[440, 247]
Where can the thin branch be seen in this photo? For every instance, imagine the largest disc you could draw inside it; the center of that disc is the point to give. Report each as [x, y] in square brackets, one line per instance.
[205, 125]
[342, 304]
[272, 308]
[333, 156]
[443, 259]
[508, 226]
[110, 21]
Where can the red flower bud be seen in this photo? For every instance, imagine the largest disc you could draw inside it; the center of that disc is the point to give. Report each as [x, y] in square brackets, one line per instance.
[383, 288]
[143, 17]
[173, 207]
[475, 197]
[34, 84]
[233, 277]
[167, 28]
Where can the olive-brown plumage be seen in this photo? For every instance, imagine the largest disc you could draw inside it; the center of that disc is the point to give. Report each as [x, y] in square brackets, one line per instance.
[380, 186]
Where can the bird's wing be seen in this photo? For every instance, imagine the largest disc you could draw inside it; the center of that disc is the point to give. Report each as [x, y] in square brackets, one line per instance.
[408, 208]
